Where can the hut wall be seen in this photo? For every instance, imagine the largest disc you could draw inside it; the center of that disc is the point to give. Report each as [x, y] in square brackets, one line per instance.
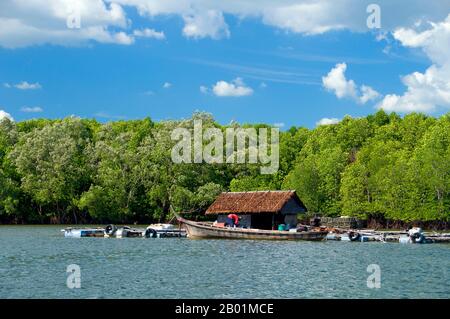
[291, 220]
[263, 221]
[292, 207]
[246, 219]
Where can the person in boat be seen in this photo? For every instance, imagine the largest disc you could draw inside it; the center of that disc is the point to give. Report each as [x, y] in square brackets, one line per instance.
[232, 220]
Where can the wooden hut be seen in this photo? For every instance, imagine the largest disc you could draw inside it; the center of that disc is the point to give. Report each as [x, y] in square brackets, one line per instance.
[260, 209]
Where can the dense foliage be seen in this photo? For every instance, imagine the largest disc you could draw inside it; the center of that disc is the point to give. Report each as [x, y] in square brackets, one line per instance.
[78, 170]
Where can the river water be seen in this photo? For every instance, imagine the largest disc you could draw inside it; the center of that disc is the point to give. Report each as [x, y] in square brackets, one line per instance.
[34, 260]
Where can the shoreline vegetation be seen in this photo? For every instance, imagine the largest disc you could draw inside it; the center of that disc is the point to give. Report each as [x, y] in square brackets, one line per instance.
[389, 170]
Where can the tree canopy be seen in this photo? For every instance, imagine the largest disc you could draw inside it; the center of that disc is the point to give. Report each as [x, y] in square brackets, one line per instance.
[79, 170]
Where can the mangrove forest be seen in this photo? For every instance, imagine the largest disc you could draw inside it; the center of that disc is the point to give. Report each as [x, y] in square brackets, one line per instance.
[381, 167]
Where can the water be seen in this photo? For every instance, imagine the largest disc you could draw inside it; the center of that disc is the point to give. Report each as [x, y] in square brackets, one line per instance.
[34, 259]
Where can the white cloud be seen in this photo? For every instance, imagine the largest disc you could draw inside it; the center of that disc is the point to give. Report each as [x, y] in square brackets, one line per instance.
[328, 121]
[24, 85]
[25, 23]
[336, 82]
[382, 35]
[15, 34]
[122, 38]
[204, 24]
[149, 33]
[34, 109]
[301, 16]
[368, 94]
[4, 115]
[234, 88]
[429, 90]
[305, 17]
[167, 85]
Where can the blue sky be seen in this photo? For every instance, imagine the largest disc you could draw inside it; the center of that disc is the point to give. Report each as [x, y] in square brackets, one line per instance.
[269, 73]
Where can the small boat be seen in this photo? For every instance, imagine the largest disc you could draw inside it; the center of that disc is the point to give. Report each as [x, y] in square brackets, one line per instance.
[208, 230]
[164, 231]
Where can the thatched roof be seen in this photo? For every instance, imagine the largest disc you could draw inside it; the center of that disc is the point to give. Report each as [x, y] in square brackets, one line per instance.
[252, 202]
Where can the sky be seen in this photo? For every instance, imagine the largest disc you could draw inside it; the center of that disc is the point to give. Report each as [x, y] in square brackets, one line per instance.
[286, 63]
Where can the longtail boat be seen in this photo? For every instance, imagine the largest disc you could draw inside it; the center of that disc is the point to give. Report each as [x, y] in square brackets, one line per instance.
[208, 230]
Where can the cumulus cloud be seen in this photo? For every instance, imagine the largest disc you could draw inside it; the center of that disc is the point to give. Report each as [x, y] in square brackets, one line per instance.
[336, 82]
[328, 121]
[234, 88]
[429, 90]
[34, 109]
[25, 23]
[121, 38]
[167, 85]
[149, 33]
[368, 94]
[300, 16]
[4, 115]
[206, 24]
[305, 17]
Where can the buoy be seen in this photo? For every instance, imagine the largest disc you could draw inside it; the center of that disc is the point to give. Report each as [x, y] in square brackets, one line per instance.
[110, 229]
[150, 233]
[354, 236]
[417, 238]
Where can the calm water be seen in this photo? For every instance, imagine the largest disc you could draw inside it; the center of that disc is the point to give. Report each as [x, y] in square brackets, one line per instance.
[33, 262]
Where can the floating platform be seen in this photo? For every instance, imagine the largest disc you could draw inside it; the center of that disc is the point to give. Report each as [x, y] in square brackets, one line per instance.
[164, 231]
[416, 236]
[152, 231]
[88, 232]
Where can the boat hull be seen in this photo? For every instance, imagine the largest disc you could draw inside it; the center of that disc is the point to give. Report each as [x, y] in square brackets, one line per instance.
[203, 230]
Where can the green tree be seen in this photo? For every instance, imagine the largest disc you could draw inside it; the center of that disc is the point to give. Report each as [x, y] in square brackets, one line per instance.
[52, 166]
